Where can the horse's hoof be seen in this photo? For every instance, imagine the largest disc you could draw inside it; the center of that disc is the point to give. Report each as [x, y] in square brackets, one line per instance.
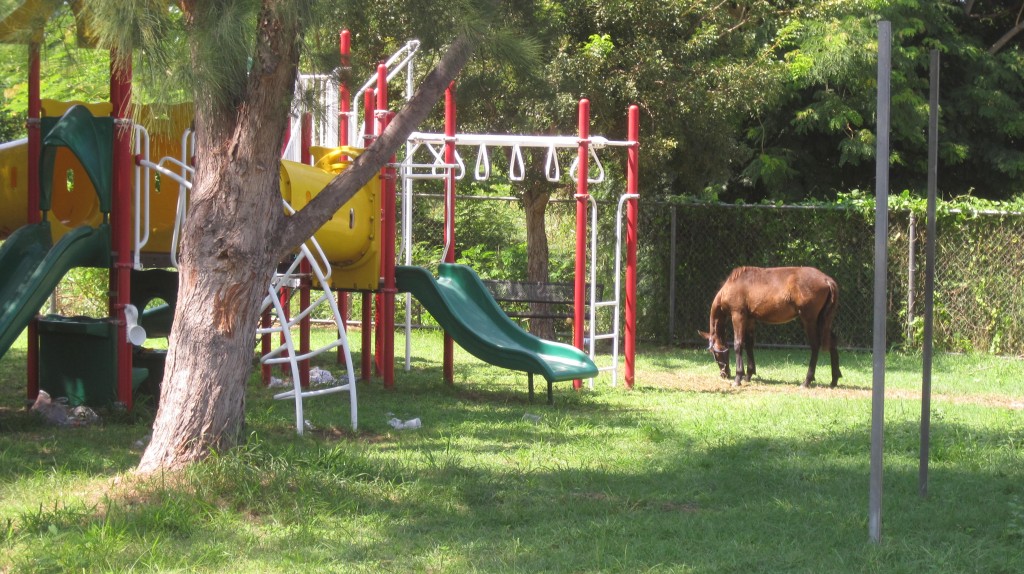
[834, 383]
[736, 383]
[747, 378]
[805, 385]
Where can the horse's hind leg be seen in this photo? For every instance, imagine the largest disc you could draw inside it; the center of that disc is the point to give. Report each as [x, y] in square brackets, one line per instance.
[834, 359]
[749, 344]
[814, 338]
[739, 363]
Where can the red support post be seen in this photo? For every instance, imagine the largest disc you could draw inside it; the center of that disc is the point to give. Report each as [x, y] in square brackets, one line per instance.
[344, 109]
[582, 194]
[632, 212]
[387, 326]
[304, 267]
[121, 219]
[34, 216]
[379, 106]
[368, 298]
[449, 214]
[344, 106]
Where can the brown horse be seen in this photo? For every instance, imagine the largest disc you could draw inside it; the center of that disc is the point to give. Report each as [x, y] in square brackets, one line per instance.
[773, 295]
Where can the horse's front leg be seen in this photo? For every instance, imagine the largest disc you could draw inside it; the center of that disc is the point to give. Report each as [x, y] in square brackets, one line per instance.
[738, 346]
[834, 358]
[749, 344]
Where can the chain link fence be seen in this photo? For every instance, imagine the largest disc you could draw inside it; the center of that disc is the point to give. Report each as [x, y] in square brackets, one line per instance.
[978, 303]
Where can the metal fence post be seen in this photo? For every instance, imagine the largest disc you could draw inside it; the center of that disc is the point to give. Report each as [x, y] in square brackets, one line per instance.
[672, 278]
[911, 265]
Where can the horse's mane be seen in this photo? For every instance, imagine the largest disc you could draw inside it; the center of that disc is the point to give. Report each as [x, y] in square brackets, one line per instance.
[737, 272]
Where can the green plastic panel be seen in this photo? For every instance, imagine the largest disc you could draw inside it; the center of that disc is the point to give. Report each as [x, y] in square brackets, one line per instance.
[90, 139]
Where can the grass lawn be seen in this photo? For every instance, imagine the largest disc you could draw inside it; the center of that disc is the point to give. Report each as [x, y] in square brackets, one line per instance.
[681, 474]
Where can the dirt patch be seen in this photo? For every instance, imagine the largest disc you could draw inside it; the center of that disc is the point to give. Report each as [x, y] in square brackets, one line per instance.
[711, 384]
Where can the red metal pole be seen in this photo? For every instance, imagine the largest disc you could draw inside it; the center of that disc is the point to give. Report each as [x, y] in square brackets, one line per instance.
[304, 267]
[378, 323]
[632, 212]
[368, 298]
[121, 219]
[344, 109]
[344, 106]
[34, 216]
[388, 239]
[582, 171]
[449, 214]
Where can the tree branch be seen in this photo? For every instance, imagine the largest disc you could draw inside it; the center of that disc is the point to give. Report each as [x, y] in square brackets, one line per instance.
[1006, 38]
[304, 223]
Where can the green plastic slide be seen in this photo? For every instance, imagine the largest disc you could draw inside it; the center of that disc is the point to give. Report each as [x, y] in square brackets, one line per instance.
[460, 302]
[31, 267]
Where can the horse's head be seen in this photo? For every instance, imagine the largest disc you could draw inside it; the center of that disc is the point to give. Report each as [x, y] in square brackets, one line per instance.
[719, 351]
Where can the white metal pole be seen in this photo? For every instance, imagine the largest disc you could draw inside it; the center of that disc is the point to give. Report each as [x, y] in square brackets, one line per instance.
[881, 261]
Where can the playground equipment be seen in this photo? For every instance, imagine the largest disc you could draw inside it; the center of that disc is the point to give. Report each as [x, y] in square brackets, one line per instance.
[444, 163]
[107, 212]
[355, 251]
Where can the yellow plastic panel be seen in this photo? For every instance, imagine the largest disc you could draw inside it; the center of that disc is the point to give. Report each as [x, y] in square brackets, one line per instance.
[56, 108]
[165, 124]
[75, 202]
[351, 238]
[13, 186]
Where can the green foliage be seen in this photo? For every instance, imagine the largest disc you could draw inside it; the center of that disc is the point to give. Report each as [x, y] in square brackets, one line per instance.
[824, 122]
[12, 126]
[83, 291]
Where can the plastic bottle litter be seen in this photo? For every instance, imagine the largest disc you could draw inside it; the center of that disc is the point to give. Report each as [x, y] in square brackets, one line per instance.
[142, 442]
[398, 424]
[54, 412]
[276, 383]
[57, 412]
[318, 376]
[83, 415]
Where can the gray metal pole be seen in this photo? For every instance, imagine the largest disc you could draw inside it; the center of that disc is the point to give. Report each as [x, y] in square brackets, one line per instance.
[911, 267]
[672, 280]
[881, 261]
[929, 272]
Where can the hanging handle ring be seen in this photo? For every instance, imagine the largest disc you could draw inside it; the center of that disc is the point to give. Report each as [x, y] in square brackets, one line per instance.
[483, 165]
[552, 171]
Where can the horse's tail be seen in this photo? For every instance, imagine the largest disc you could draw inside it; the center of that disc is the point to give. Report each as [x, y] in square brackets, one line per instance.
[828, 313]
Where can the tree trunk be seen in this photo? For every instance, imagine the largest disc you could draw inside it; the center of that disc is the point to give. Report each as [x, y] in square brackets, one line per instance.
[535, 202]
[229, 250]
[236, 232]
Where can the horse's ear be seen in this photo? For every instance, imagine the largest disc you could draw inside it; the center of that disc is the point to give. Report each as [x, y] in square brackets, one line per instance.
[704, 335]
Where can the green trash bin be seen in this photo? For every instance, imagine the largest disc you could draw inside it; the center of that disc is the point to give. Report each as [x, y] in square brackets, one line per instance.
[78, 360]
